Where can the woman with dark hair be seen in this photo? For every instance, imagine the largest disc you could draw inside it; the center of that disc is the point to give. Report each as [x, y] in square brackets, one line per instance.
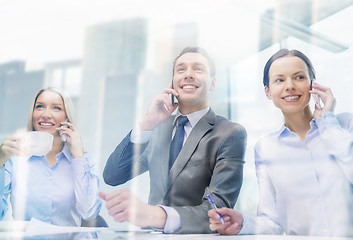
[304, 170]
[60, 187]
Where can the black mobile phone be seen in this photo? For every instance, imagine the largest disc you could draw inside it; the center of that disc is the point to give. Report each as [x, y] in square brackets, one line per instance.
[172, 96]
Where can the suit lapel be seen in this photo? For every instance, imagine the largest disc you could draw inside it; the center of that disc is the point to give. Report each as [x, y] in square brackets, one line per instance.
[202, 127]
[163, 153]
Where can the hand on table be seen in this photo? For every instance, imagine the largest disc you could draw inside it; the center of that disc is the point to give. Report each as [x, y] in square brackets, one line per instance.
[123, 205]
[233, 221]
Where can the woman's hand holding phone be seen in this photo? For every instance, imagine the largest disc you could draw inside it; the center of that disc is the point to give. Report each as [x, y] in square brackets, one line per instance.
[73, 138]
[317, 100]
[324, 94]
[63, 136]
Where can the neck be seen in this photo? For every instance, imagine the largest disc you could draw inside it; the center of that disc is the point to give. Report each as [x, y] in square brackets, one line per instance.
[57, 145]
[185, 110]
[56, 148]
[299, 122]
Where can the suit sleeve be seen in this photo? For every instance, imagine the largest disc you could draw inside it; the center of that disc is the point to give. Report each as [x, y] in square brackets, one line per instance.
[225, 182]
[127, 160]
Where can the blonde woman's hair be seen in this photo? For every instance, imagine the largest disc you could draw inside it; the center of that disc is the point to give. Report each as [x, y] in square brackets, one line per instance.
[66, 100]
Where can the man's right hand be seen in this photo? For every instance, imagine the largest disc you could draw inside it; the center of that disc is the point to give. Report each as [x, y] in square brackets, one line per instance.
[159, 110]
[123, 206]
[233, 221]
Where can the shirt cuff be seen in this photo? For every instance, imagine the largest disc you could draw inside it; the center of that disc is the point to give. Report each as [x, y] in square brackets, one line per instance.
[138, 136]
[79, 165]
[327, 119]
[247, 226]
[173, 222]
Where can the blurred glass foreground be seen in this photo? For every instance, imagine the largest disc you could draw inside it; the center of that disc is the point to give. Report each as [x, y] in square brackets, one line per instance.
[113, 56]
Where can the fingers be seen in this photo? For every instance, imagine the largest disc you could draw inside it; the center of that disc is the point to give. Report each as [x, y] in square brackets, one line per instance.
[322, 91]
[220, 227]
[67, 128]
[118, 203]
[227, 228]
[320, 87]
[232, 221]
[69, 125]
[230, 230]
[73, 138]
[164, 100]
[326, 96]
[225, 211]
[214, 216]
[13, 145]
[115, 198]
[159, 110]
[170, 90]
[102, 195]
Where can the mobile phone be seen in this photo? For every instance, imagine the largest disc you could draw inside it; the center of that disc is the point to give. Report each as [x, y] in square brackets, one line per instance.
[174, 99]
[64, 136]
[316, 99]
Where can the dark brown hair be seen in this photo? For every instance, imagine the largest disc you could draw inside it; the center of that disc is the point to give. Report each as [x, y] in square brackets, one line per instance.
[283, 53]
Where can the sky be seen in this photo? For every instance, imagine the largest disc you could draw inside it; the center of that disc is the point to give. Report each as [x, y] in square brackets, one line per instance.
[40, 31]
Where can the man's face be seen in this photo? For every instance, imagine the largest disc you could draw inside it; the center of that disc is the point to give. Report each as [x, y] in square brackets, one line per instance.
[192, 81]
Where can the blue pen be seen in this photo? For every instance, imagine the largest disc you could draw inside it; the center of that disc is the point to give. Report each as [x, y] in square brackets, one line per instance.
[210, 199]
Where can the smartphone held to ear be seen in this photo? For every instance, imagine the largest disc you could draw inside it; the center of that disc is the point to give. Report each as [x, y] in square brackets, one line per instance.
[316, 99]
[64, 136]
[174, 99]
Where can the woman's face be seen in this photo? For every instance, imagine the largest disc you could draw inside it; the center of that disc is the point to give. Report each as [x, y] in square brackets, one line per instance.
[49, 112]
[289, 84]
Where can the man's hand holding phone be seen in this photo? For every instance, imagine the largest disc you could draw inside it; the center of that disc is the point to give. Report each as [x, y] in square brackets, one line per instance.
[159, 109]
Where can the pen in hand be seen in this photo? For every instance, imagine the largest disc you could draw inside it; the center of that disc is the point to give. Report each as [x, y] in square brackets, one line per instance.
[210, 199]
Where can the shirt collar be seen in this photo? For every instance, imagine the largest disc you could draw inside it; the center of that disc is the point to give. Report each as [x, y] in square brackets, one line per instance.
[193, 117]
[284, 131]
[65, 153]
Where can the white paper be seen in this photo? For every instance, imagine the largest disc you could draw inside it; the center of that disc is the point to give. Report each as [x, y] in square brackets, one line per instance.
[37, 227]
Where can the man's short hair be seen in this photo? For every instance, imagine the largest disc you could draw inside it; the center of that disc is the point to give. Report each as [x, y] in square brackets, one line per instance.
[200, 51]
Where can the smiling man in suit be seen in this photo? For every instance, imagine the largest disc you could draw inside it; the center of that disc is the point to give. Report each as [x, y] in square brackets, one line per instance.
[188, 155]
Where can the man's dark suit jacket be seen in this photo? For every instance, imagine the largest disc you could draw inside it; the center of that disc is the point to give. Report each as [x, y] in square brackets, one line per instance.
[210, 162]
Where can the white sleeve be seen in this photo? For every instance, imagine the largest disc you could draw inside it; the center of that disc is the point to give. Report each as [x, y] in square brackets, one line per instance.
[138, 136]
[337, 135]
[173, 222]
[267, 220]
[86, 181]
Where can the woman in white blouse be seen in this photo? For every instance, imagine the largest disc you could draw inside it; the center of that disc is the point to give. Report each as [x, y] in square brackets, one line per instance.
[304, 170]
[61, 187]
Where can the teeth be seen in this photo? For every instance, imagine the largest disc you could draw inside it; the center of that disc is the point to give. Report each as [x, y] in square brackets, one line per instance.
[46, 124]
[188, 87]
[291, 97]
